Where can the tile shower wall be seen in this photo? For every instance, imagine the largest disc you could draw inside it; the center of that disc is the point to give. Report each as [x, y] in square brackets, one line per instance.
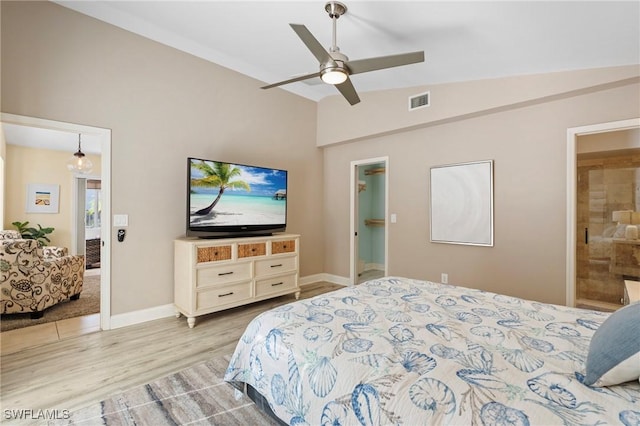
[605, 184]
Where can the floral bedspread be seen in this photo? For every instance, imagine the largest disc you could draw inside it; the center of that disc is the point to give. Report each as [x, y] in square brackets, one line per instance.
[404, 351]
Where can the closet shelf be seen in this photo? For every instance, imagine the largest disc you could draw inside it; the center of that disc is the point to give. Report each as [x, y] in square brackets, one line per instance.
[374, 222]
[376, 171]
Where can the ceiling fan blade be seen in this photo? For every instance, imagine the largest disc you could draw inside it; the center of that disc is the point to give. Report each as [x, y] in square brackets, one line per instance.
[348, 91]
[312, 43]
[292, 80]
[382, 62]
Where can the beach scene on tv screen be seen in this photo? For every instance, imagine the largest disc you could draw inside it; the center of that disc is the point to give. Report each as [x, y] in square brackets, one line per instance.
[224, 194]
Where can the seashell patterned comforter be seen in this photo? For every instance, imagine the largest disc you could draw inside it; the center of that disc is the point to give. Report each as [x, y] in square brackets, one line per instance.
[402, 351]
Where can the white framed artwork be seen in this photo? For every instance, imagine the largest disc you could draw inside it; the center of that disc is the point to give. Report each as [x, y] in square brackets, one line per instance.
[462, 203]
[42, 198]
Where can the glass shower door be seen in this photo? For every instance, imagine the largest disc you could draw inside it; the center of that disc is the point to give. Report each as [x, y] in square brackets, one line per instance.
[605, 185]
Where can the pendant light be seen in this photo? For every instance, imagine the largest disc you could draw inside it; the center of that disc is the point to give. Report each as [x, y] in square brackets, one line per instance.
[79, 163]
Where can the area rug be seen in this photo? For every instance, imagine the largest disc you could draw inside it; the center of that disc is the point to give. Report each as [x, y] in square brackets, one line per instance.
[87, 304]
[194, 396]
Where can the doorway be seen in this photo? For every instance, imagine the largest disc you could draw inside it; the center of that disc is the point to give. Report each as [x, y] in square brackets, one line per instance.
[88, 190]
[369, 227]
[608, 186]
[575, 234]
[103, 138]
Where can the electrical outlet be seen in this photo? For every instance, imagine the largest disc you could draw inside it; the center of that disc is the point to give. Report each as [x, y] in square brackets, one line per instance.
[444, 278]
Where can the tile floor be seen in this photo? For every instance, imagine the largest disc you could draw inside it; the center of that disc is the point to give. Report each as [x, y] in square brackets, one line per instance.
[16, 340]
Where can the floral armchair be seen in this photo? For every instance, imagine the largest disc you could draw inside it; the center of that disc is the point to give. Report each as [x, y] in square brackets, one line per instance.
[31, 281]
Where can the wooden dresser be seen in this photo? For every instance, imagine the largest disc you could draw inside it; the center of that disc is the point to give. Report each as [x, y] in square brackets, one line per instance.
[216, 274]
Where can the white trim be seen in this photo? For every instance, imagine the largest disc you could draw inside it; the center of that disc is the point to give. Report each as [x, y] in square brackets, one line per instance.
[143, 315]
[310, 279]
[334, 279]
[105, 144]
[353, 191]
[373, 267]
[572, 136]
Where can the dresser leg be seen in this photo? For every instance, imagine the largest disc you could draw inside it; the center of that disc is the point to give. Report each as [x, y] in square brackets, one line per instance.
[297, 295]
[191, 321]
[178, 313]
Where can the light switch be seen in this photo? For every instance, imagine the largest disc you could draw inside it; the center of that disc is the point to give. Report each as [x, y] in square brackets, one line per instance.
[120, 220]
[394, 218]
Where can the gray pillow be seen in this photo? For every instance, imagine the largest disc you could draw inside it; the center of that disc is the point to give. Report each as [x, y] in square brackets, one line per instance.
[614, 350]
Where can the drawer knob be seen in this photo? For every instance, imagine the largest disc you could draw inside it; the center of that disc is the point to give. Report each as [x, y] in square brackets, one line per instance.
[226, 294]
[215, 253]
[224, 273]
[276, 266]
[275, 284]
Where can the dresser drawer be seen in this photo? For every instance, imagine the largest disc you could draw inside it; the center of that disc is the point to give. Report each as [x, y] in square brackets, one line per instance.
[222, 274]
[213, 254]
[273, 266]
[249, 250]
[223, 295]
[287, 246]
[275, 285]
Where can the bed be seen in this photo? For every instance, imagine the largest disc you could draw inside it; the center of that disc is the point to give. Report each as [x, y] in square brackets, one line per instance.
[405, 351]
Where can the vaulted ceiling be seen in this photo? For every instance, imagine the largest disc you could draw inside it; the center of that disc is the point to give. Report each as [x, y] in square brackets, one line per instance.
[467, 40]
[462, 41]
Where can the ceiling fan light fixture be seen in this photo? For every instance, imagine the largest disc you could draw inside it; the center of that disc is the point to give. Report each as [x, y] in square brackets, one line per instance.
[79, 162]
[334, 76]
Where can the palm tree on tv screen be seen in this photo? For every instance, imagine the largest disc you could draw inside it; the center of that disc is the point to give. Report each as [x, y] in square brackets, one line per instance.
[218, 176]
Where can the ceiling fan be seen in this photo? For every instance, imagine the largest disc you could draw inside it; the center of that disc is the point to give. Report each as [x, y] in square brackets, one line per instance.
[335, 67]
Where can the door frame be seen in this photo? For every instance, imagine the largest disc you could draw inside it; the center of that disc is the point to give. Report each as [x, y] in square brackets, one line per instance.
[105, 161]
[353, 218]
[572, 181]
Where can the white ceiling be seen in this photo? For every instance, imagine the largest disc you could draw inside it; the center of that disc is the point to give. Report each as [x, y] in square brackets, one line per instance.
[462, 40]
[36, 137]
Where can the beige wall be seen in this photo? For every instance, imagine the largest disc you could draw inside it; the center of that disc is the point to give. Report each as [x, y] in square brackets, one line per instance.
[162, 105]
[41, 166]
[386, 111]
[527, 142]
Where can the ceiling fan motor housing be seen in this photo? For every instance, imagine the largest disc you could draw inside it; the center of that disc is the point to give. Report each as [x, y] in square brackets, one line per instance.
[335, 9]
[337, 65]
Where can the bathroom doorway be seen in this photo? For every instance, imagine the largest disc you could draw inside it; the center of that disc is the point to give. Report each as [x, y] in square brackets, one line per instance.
[608, 186]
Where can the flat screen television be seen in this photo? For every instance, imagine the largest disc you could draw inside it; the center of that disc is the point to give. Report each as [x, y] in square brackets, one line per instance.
[229, 200]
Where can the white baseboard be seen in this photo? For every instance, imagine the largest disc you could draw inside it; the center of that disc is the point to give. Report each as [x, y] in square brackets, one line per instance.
[334, 279]
[374, 267]
[143, 315]
[165, 311]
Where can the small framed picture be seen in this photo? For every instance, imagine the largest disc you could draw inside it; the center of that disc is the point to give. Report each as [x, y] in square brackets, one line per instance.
[42, 198]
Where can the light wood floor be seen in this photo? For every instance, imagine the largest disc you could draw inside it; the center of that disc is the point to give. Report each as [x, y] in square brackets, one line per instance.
[73, 372]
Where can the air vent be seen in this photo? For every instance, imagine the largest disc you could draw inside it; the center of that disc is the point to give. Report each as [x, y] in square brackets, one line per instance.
[419, 101]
